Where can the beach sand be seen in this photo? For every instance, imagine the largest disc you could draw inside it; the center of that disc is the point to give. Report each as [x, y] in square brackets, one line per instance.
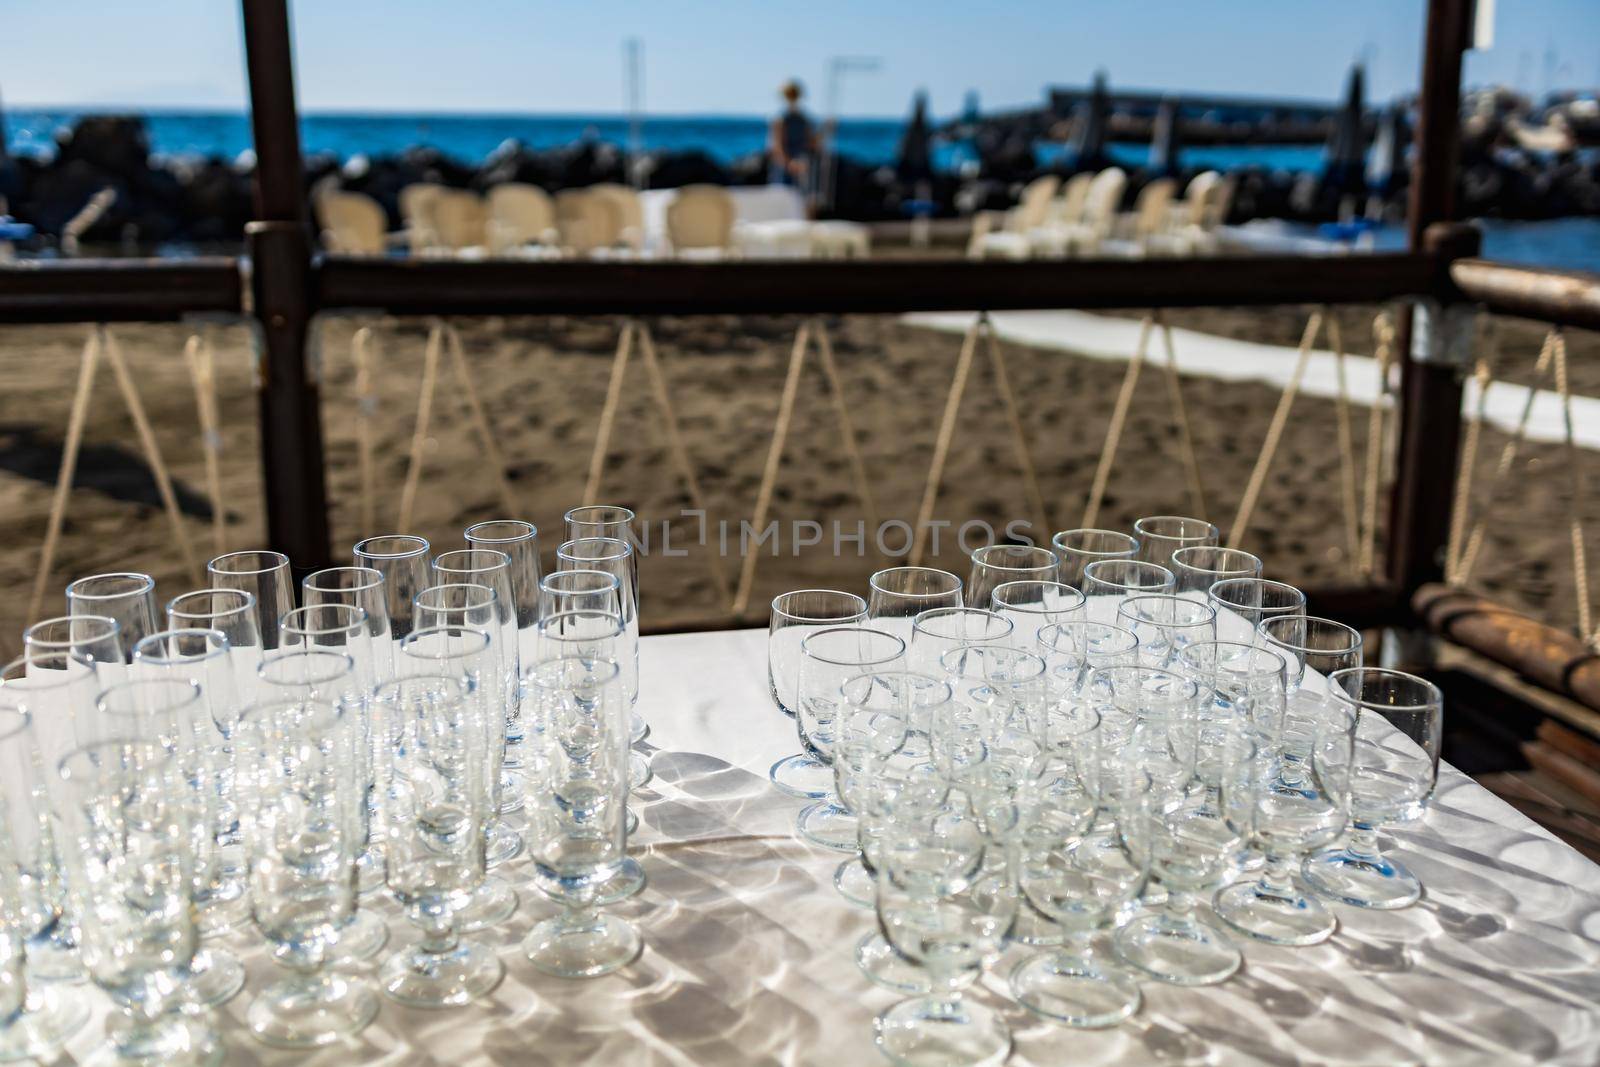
[543, 384]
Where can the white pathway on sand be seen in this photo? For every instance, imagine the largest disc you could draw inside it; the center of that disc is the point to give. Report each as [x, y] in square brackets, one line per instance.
[1103, 337]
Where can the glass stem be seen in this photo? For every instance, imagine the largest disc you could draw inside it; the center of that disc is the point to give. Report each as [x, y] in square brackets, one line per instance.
[1180, 910]
[438, 933]
[1277, 878]
[1363, 841]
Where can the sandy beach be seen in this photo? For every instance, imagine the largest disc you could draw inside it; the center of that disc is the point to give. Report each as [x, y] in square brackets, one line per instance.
[543, 383]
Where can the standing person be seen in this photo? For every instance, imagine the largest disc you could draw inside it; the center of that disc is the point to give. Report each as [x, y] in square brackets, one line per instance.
[792, 142]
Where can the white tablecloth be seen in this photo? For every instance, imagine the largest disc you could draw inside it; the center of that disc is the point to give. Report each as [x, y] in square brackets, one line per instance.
[748, 947]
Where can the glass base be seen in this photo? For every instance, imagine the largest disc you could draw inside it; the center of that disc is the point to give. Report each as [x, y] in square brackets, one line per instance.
[1362, 881]
[505, 844]
[639, 771]
[1278, 920]
[420, 979]
[885, 967]
[215, 977]
[1196, 955]
[39, 1033]
[360, 939]
[630, 823]
[1074, 991]
[638, 729]
[305, 1012]
[854, 882]
[932, 1031]
[828, 826]
[176, 1041]
[587, 947]
[492, 903]
[801, 777]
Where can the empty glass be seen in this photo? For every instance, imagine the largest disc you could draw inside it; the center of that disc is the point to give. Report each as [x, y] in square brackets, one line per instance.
[445, 764]
[1079, 548]
[828, 658]
[1108, 582]
[1308, 643]
[265, 576]
[995, 565]
[127, 597]
[94, 639]
[615, 556]
[520, 541]
[402, 559]
[303, 816]
[795, 616]
[1033, 605]
[936, 632]
[1286, 813]
[34, 1021]
[898, 595]
[1072, 650]
[358, 587]
[577, 833]
[561, 591]
[1166, 625]
[232, 613]
[1198, 569]
[487, 566]
[1162, 535]
[1249, 600]
[123, 816]
[1395, 766]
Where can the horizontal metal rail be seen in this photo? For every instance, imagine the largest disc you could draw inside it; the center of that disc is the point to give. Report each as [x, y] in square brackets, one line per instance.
[1565, 298]
[118, 290]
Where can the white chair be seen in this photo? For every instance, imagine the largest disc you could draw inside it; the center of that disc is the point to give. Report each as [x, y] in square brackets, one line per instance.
[1065, 211]
[700, 222]
[838, 239]
[352, 223]
[770, 222]
[1006, 233]
[521, 217]
[461, 223]
[1133, 230]
[586, 223]
[1185, 218]
[1099, 213]
[416, 215]
[631, 233]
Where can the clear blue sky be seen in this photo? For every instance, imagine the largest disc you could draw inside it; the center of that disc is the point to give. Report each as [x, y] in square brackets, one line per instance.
[728, 56]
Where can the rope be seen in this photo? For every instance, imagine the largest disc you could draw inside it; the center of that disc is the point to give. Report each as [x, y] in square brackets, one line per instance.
[1269, 448]
[680, 452]
[1191, 462]
[197, 353]
[361, 345]
[858, 467]
[419, 435]
[947, 429]
[1347, 444]
[69, 464]
[1383, 330]
[1119, 417]
[608, 413]
[480, 419]
[769, 476]
[1461, 504]
[1019, 436]
[152, 452]
[1508, 456]
[1580, 555]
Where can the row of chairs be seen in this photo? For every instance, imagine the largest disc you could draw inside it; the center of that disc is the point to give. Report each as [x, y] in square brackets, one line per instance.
[1082, 217]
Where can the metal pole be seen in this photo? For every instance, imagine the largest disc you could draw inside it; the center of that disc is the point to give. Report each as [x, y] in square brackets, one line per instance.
[1430, 388]
[279, 244]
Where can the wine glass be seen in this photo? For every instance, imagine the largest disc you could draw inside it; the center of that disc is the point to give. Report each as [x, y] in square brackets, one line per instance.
[828, 658]
[1287, 813]
[615, 556]
[927, 911]
[1395, 766]
[1166, 625]
[1250, 600]
[95, 639]
[1108, 582]
[897, 595]
[265, 576]
[1162, 535]
[561, 591]
[304, 821]
[795, 616]
[520, 541]
[1200, 567]
[1072, 650]
[232, 613]
[357, 587]
[448, 724]
[490, 567]
[1308, 643]
[402, 559]
[935, 632]
[577, 831]
[127, 597]
[123, 809]
[994, 565]
[1079, 548]
[1033, 605]
[34, 1021]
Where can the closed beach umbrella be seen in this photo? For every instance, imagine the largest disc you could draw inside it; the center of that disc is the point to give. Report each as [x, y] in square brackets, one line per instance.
[1165, 138]
[1388, 154]
[1088, 142]
[914, 161]
[1347, 145]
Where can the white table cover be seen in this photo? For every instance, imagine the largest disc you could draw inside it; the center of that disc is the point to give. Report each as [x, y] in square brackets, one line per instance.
[748, 947]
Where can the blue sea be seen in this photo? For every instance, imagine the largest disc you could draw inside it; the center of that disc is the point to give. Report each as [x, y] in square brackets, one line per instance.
[1572, 244]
